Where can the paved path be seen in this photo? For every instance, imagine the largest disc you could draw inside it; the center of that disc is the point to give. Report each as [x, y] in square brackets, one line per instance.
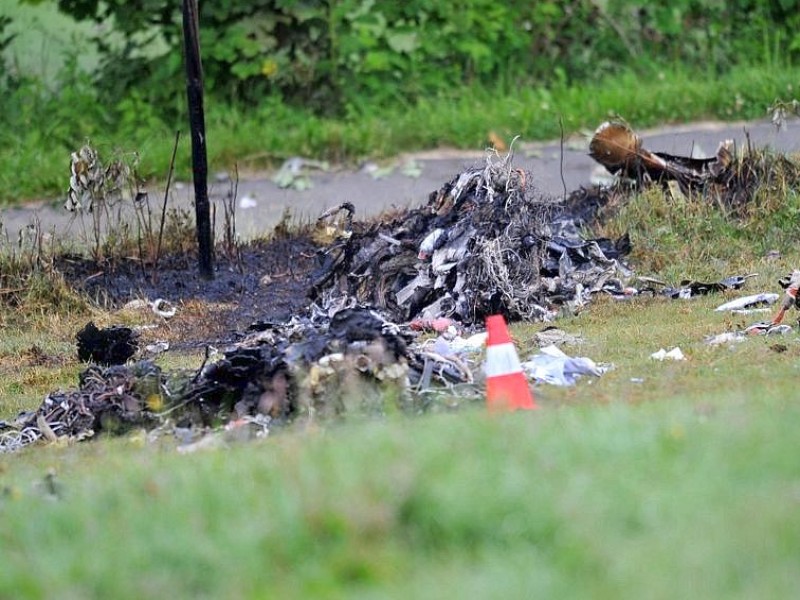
[261, 202]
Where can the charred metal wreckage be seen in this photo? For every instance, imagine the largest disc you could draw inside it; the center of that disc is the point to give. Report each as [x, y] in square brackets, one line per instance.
[485, 243]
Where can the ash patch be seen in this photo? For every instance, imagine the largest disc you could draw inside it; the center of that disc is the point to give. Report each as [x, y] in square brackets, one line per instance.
[268, 279]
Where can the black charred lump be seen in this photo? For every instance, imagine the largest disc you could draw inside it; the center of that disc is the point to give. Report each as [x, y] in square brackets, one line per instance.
[107, 346]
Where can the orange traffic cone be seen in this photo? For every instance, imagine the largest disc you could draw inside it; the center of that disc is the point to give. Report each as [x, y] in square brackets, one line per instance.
[506, 386]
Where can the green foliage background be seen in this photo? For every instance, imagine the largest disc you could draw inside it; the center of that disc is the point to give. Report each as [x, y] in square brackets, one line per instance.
[336, 56]
[355, 78]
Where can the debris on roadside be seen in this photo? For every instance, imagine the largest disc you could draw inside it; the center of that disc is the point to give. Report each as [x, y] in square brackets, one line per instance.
[791, 284]
[109, 399]
[408, 168]
[619, 149]
[639, 286]
[295, 173]
[551, 365]
[319, 365]
[391, 307]
[729, 177]
[727, 337]
[775, 326]
[691, 289]
[160, 307]
[439, 324]
[451, 343]
[554, 336]
[248, 201]
[485, 243]
[767, 328]
[163, 308]
[157, 347]
[762, 328]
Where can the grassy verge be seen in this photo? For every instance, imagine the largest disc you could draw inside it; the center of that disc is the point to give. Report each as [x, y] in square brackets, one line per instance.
[683, 485]
[34, 152]
[657, 480]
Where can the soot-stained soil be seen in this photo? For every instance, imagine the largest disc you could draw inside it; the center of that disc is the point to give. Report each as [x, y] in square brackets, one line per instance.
[267, 280]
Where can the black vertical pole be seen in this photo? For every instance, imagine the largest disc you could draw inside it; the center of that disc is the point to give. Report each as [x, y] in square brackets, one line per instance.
[194, 93]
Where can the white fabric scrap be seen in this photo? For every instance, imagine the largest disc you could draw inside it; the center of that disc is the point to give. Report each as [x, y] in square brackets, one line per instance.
[555, 367]
[247, 201]
[674, 354]
[456, 345]
[729, 337]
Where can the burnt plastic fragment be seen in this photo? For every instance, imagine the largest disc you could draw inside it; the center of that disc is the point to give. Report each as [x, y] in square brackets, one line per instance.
[108, 346]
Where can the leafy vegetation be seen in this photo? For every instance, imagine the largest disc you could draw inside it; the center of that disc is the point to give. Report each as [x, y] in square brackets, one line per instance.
[341, 56]
[361, 78]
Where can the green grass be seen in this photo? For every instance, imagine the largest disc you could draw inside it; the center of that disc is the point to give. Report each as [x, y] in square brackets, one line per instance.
[685, 485]
[687, 495]
[34, 154]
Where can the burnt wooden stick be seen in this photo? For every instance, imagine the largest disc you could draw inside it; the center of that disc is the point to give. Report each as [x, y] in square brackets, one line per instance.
[194, 94]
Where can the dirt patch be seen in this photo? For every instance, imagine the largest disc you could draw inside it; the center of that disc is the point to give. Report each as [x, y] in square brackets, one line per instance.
[267, 280]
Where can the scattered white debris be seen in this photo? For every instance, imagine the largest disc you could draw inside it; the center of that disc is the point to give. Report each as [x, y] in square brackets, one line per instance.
[294, 173]
[450, 343]
[555, 367]
[411, 169]
[767, 328]
[157, 347]
[136, 305]
[555, 336]
[674, 354]
[748, 302]
[163, 308]
[247, 201]
[729, 337]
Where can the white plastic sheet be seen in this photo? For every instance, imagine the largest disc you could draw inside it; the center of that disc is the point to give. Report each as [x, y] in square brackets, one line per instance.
[555, 367]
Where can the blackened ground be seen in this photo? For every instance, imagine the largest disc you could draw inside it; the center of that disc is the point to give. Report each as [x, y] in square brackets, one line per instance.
[269, 280]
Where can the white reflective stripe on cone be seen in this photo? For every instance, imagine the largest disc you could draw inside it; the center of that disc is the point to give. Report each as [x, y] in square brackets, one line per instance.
[501, 359]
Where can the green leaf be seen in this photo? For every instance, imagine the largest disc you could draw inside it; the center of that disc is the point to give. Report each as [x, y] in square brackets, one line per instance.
[377, 60]
[403, 42]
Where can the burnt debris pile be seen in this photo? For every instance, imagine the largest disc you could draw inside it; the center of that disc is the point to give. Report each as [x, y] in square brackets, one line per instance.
[734, 177]
[319, 365]
[108, 399]
[311, 365]
[485, 243]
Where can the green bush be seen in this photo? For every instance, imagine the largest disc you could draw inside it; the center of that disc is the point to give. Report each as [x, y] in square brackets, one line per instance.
[357, 78]
[335, 57]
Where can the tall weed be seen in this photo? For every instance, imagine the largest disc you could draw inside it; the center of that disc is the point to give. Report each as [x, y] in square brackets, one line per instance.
[703, 233]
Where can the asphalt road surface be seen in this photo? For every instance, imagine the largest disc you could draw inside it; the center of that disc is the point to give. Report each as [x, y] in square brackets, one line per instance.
[261, 203]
